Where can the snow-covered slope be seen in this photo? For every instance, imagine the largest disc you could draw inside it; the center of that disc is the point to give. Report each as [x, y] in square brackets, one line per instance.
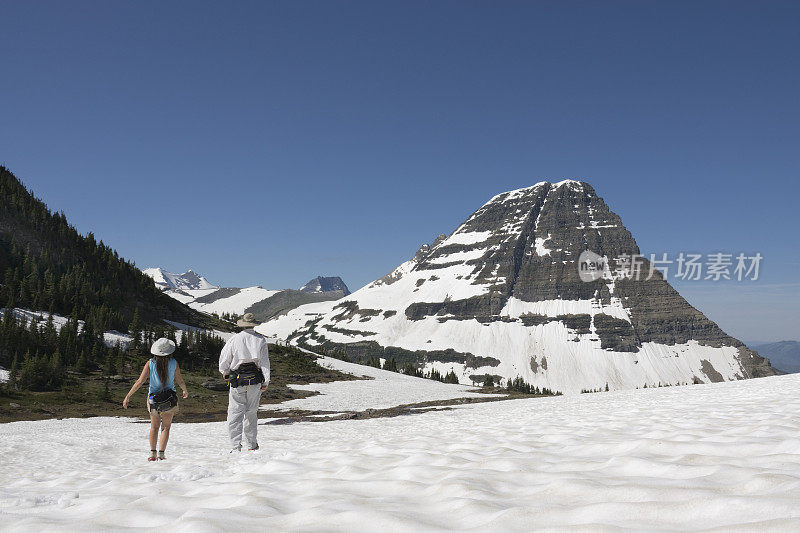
[502, 295]
[722, 457]
[234, 301]
[385, 389]
[189, 280]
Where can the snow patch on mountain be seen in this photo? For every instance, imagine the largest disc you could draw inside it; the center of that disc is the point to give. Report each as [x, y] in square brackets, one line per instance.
[540, 247]
[516, 308]
[469, 237]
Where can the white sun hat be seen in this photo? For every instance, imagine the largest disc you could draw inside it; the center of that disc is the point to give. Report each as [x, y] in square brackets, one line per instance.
[162, 347]
[248, 321]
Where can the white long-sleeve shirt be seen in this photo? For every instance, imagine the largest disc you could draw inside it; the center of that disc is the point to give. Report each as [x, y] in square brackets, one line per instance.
[245, 347]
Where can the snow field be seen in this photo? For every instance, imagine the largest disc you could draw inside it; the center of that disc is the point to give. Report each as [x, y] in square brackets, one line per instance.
[722, 456]
[386, 389]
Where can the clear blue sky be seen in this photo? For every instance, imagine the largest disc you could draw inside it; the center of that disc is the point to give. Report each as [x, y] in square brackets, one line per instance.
[269, 142]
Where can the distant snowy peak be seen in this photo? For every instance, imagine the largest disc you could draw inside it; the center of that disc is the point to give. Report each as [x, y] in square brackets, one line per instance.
[189, 280]
[325, 284]
[200, 294]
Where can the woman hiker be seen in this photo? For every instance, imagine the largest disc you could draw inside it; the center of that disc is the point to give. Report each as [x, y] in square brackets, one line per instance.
[162, 401]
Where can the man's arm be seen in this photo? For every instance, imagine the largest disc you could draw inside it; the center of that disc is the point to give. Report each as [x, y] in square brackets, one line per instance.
[225, 358]
[263, 362]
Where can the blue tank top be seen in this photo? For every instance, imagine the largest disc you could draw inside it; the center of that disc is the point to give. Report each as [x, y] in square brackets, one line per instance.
[155, 382]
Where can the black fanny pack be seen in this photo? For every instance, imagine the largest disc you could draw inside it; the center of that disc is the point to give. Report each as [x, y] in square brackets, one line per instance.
[163, 400]
[246, 374]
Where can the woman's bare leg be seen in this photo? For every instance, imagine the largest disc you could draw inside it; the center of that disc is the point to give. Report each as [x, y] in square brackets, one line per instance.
[155, 422]
[166, 423]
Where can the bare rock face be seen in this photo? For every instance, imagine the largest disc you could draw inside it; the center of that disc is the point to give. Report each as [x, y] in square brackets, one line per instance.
[505, 295]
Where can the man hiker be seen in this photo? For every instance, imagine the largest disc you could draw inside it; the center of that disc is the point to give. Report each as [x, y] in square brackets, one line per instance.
[244, 362]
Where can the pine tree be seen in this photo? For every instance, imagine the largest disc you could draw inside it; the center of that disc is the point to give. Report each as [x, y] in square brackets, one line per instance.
[119, 359]
[109, 368]
[106, 394]
[135, 329]
[13, 378]
[56, 372]
[82, 365]
[27, 372]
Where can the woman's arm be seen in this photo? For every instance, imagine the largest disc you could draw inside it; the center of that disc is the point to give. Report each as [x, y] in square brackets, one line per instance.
[179, 380]
[139, 383]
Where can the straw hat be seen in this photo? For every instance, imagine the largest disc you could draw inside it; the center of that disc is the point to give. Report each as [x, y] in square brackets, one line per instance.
[162, 347]
[248, 321]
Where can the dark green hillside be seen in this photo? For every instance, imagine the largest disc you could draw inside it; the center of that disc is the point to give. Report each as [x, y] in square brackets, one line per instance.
[46, 265]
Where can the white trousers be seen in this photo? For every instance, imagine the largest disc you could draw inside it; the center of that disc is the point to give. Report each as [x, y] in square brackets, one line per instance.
[243, 415]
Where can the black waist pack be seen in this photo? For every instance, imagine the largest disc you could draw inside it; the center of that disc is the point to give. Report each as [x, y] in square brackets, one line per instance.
[246, 374]
[163, 400]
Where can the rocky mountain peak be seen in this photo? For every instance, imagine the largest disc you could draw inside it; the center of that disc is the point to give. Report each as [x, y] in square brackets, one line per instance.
[326, 284]
[503, 295]
[426, 248]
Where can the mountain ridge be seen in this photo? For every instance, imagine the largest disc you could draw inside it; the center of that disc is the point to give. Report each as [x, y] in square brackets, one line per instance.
[784, 355]
[200, 294]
